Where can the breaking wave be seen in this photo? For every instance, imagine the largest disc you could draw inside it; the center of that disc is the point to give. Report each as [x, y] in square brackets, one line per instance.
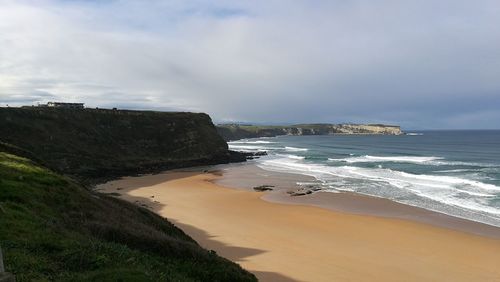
[295, 149]
[452, 192]
[399, 159]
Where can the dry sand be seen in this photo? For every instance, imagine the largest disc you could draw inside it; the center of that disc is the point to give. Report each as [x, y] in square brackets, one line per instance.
[282, 242]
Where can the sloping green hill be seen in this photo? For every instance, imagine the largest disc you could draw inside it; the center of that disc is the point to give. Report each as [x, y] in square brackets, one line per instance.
[52, 229]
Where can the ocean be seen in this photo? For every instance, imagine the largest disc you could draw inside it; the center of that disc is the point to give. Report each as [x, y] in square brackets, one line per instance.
[453, 172]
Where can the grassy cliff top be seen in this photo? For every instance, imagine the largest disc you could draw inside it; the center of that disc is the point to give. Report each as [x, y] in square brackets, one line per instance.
[52, 229]
[94, 143]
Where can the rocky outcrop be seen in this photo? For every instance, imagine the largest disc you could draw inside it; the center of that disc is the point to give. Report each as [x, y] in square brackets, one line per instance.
[263, 188]
[97, 143]
[369, 129]
[234, 131]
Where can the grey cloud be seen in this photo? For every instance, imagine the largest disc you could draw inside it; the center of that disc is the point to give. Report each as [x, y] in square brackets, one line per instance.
[422, 64]
[27, 98]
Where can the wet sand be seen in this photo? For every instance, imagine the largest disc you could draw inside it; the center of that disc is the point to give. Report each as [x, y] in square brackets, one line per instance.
[246, 176]
[283, 242]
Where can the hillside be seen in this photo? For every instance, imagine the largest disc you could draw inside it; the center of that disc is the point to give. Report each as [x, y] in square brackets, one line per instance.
[93, 144]
[234, 131]
[55, 230]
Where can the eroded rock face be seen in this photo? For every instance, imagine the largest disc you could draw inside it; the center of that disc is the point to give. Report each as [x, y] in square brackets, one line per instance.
[101, 143]
[369, 129]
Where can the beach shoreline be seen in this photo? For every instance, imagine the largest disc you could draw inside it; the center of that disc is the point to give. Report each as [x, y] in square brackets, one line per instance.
[279, 240]
[249, 175]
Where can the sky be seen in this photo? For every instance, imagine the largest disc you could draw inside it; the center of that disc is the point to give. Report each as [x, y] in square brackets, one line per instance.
[421, 64]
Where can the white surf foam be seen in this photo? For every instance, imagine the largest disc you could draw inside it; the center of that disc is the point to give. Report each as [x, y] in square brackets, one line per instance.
[456, 170]
[430, 160]
[237, 147]
[251, 142]
[466, 194]
[459, 163]
[398, 159]
[295, 157]
[414, 134]
[295, 149]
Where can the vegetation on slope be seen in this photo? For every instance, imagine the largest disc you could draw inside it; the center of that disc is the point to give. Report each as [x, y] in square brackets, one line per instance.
[54, 229]
[92, 144]
[231, 132]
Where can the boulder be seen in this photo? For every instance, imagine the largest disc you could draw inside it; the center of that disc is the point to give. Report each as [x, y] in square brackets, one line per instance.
[263, 188]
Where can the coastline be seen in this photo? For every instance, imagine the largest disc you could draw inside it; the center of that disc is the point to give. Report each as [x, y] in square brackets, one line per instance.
[326, 243]
[243, 176]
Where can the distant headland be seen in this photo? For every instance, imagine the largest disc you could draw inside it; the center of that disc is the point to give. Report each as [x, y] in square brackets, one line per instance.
[237, 131]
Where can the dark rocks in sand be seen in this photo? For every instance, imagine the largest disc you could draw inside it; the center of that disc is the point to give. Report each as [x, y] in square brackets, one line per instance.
[253, 155]
[257, 155]
[300, 192]
[263, 188]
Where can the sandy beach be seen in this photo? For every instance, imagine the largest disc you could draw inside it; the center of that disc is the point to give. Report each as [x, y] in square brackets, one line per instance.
[296, 242]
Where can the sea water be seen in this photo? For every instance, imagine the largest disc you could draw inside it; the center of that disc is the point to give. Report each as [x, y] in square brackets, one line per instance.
[453, 172]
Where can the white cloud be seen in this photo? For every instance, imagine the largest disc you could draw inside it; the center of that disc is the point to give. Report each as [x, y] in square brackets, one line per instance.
[273, 61]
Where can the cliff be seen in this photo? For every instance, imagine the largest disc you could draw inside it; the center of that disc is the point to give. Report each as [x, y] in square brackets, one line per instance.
[58, 230]
[53, 229]
[93, 144]
[234, 131]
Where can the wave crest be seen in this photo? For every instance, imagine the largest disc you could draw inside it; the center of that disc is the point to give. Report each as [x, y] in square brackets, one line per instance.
[451, 191]
[295, 149]
[397, 159]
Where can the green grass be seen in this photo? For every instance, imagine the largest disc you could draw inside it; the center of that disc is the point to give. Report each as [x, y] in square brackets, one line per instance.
[95, 144]
[53, 229]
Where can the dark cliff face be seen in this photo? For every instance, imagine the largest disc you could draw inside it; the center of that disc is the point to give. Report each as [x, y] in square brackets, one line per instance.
[231, 133]
[60, 230]
[92, 144]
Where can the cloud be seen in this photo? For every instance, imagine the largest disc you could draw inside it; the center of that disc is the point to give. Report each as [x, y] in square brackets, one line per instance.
[422, 64]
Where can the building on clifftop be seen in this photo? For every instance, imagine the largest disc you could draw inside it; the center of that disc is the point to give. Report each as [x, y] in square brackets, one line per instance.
[63, 105]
